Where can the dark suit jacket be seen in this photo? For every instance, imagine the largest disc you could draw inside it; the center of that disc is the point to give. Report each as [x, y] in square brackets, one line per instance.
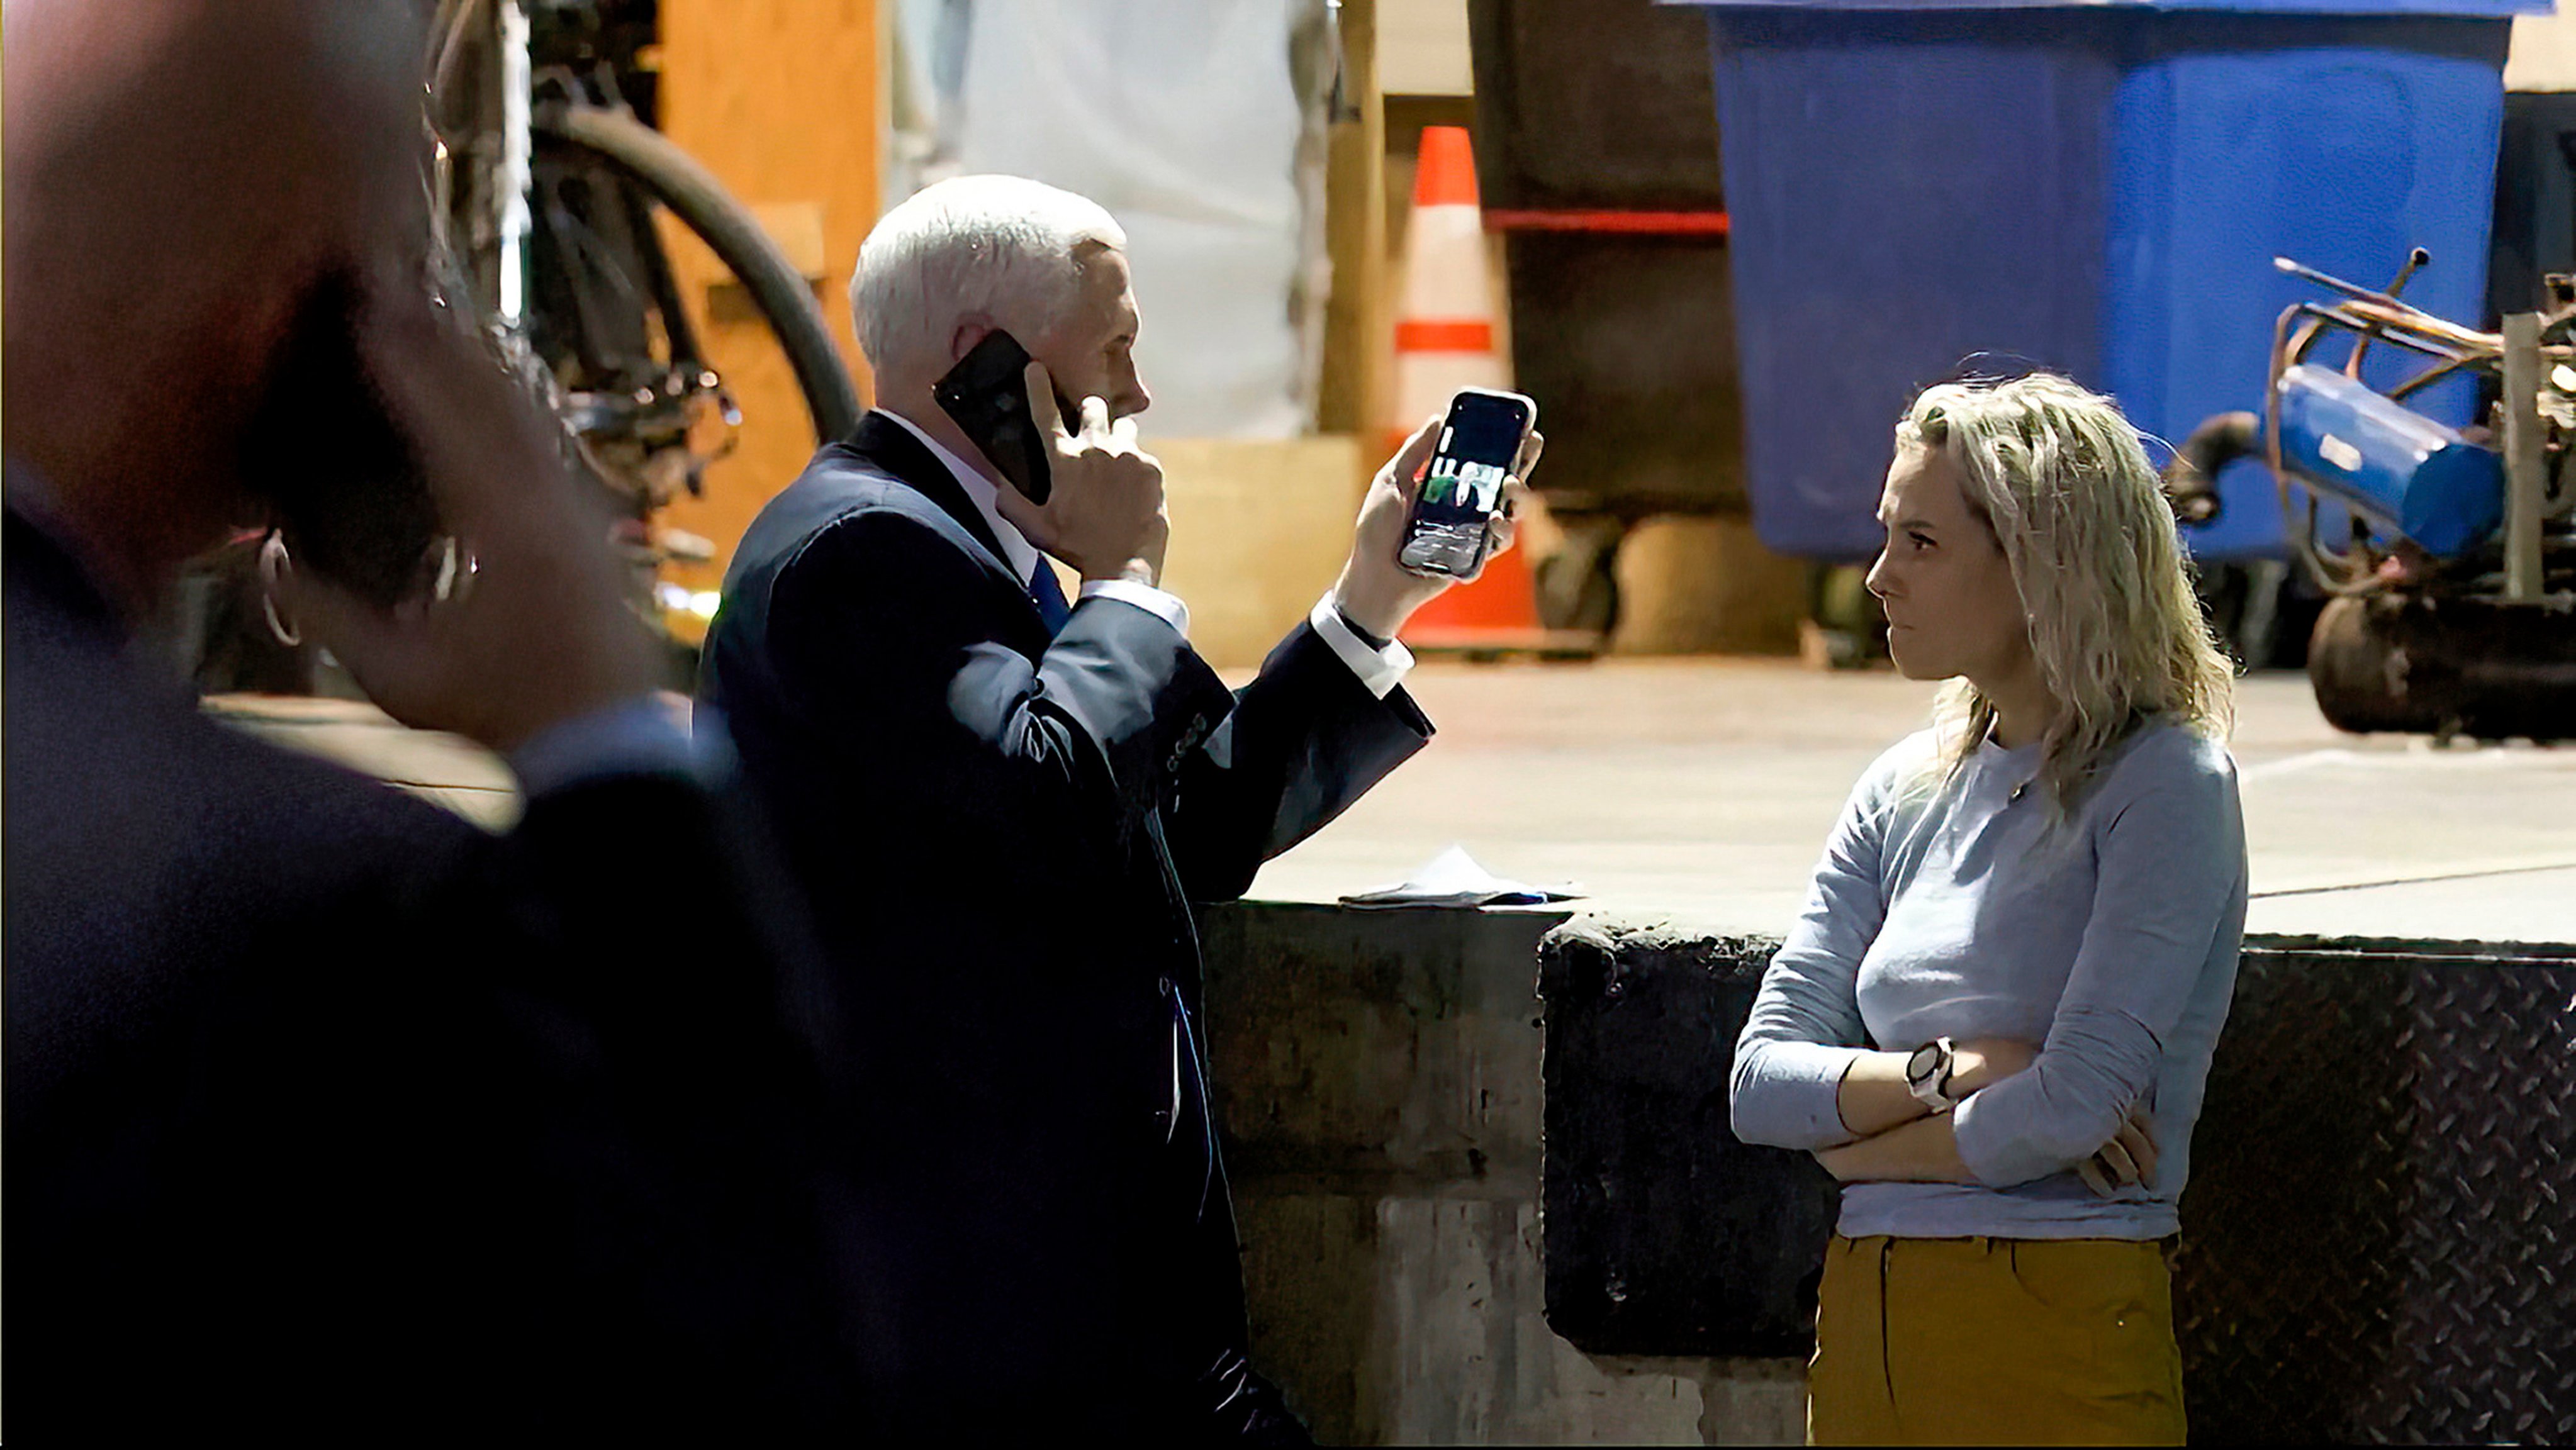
[1002, 832]
[329, 1113]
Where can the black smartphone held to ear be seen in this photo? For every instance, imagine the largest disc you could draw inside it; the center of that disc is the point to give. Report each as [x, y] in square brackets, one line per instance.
[987, 393]
[1451, 523]
[321, 447]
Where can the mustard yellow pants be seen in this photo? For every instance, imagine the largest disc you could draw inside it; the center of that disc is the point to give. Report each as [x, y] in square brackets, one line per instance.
[1994, 1342]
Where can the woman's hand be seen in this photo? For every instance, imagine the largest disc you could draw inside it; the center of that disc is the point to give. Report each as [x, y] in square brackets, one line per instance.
[2127, 1161]
[537, 630]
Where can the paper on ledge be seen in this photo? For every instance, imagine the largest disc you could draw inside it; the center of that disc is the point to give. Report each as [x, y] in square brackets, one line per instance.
[1453, 878]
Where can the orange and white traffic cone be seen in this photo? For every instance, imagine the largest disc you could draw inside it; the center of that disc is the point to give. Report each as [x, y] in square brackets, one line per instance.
[1444, 341]
[1444, 334]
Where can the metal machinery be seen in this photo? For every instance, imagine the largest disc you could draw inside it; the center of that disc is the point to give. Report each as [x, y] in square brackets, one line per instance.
[2452, 599]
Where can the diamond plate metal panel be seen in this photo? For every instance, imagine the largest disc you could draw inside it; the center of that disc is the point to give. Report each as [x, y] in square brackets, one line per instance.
[2379, 1240]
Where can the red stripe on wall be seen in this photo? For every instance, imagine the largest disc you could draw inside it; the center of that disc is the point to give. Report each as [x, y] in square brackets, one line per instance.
[1644, 223]
[1444, 334]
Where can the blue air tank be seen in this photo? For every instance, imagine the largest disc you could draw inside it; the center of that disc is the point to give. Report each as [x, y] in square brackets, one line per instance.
[2398, 468]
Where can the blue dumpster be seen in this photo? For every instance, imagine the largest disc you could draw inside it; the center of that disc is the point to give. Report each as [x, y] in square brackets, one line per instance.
[2095, 188]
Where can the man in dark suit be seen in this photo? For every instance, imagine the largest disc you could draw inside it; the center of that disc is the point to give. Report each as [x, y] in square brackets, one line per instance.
[1004, 803]
[328, 1113]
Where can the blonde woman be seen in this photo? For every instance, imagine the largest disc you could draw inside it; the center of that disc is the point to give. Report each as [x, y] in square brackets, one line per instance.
[1994, 1019]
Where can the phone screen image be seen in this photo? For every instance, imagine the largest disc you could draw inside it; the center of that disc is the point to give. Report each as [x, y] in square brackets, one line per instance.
[1463, 486]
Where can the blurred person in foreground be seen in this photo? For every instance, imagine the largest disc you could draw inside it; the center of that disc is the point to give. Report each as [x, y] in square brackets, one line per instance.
[1004, 803]
[328, 1112]
[1994, 1020]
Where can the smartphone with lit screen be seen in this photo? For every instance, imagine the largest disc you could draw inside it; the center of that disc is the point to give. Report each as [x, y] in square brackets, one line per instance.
[1451, 525]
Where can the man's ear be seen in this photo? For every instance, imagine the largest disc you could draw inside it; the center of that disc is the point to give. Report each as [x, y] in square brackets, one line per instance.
[971, 329]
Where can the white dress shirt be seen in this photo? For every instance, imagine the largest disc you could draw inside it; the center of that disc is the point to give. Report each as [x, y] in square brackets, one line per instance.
[1381, 670]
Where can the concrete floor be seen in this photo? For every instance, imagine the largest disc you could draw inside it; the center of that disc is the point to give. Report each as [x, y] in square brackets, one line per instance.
[1701, 789]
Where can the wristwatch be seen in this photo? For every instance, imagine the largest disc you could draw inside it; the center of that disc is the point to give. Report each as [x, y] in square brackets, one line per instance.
[1927, 1074]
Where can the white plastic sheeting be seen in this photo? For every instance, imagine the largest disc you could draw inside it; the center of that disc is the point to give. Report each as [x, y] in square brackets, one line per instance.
[1181, 117]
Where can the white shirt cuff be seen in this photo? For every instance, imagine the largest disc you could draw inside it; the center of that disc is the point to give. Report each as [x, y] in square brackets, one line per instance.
[1380, 670]
[1166, 607]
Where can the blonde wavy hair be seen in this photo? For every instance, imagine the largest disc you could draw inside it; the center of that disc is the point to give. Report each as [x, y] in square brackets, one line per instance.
[2062, 480]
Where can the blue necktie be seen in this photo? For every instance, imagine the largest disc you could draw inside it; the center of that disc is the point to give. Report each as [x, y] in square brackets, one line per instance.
[1049, 595]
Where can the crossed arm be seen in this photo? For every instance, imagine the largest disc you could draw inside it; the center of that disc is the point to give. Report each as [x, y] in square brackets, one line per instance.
[1804, 1077]
[1900, 1140]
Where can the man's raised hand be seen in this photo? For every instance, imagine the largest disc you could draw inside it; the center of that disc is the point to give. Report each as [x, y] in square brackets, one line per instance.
[543, 635]
[1380, 594]
[1104, 513]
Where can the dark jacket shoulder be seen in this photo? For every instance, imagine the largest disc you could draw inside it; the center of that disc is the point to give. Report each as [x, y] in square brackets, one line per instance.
[882, 469]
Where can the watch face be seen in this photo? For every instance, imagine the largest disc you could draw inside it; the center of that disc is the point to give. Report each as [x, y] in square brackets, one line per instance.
[1919, 1067]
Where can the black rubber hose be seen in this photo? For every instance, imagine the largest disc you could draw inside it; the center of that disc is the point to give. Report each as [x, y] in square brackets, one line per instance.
[675, 179]
[2191, 479]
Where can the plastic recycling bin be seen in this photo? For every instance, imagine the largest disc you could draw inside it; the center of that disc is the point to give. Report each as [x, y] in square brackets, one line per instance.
[2094, 188]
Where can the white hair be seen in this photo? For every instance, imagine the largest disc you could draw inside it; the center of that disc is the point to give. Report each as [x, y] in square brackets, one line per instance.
[1001, 247]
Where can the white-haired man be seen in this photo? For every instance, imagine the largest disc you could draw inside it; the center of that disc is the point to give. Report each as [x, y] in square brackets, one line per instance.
[1004, 803]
